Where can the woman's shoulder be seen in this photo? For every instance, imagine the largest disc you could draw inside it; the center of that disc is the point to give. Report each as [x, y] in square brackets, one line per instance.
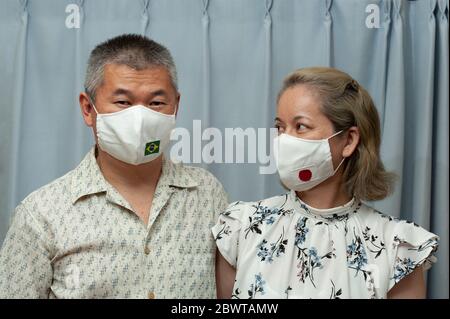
[386, 222]
[407, 244]
[397, 232]
[242, 209]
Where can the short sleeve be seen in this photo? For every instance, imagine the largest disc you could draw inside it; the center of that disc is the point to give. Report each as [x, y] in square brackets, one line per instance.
[227, 231]
[220, 199]
[412, 246]
[25, 258]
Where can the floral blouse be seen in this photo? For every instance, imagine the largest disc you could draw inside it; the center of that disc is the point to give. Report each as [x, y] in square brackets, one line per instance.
[283, 248]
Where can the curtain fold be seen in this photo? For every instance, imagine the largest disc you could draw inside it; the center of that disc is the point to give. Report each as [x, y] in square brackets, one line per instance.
[439, 204]
[17, 103]
[268, 91]
[328, 22]
[145, 16]
[80, 135]
[206, 65]
[393, 121]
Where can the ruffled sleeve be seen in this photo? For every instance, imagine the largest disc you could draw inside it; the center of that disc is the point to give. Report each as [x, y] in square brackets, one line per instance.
[411, 247]
[227, 231]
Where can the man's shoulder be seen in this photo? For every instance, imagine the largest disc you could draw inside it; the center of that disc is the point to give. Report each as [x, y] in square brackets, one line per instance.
[63, 191]
[55, 194]
[200, 176]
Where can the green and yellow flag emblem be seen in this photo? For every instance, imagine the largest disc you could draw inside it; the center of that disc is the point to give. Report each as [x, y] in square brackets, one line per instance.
[151, 148]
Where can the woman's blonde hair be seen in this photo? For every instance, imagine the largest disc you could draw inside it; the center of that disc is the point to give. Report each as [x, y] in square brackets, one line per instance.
[346, 103]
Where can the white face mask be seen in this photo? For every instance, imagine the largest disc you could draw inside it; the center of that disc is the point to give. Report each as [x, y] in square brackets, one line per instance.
[303, 164]
[135, 135]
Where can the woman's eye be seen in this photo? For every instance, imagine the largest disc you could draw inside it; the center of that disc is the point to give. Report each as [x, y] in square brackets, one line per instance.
[279, 128]
[301, 127]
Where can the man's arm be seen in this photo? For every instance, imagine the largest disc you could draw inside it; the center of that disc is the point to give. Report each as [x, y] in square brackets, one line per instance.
[225, 273]
[225, 276]
[25, 266]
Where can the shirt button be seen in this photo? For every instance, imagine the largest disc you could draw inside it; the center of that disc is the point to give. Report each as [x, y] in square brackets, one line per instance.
[151, 295]
[147, 250]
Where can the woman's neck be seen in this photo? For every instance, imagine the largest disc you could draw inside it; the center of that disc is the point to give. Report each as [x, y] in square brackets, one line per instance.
[328, 194]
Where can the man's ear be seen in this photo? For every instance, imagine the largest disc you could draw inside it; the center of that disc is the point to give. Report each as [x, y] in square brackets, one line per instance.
[352, 141]
[178, 104]
[86, 109]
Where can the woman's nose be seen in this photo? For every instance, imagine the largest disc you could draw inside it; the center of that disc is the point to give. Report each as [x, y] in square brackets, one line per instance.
[290, 130]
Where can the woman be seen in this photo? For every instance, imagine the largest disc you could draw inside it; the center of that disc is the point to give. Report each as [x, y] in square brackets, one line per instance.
[319, 240]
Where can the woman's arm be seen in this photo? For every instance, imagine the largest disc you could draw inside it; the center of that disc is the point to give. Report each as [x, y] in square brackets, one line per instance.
[410, 287]
[225, 276]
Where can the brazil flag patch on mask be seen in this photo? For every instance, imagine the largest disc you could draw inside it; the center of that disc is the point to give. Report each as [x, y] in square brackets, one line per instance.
[151, 148]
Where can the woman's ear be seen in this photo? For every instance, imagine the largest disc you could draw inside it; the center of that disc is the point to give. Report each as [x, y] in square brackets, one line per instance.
[351, 142]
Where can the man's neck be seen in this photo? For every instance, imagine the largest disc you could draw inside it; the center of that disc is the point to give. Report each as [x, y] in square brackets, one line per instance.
[120, 174]
[329, 194]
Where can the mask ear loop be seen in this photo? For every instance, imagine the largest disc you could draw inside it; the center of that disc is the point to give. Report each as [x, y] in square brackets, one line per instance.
[93, 106]
[176, 110]
[337, 133]
[92, 103]
[96, 144]
[337, 168]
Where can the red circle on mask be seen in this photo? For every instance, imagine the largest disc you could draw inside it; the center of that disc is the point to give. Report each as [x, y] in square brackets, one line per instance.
[305, 175]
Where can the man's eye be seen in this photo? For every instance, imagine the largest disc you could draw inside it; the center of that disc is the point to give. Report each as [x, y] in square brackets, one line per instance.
[157, 103]
[122, 103]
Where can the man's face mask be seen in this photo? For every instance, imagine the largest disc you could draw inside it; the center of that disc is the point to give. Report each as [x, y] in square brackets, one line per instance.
[302, 164]
[135, 135]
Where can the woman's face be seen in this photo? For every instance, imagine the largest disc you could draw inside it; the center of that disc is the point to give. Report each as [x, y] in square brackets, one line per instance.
[299, 115]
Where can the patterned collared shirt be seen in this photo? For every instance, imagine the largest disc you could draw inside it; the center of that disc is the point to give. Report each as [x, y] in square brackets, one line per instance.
[77, 237]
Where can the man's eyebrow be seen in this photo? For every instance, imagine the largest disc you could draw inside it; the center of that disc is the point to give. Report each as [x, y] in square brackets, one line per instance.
[121, 91]
[160, 92]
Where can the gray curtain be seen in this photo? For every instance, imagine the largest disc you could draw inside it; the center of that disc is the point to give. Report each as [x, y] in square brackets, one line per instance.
[232, 56]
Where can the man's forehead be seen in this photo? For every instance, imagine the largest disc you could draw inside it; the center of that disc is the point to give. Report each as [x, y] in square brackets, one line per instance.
[121, 70]
[119, 75]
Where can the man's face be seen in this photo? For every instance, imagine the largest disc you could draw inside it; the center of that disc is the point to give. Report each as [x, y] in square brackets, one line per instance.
[123, 87]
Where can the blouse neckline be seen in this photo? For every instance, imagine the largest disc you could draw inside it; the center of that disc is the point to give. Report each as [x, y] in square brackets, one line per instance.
[328, 214]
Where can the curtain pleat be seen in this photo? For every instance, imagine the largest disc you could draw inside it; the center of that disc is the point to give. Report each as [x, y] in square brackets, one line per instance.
[439, 203]
[17, 104]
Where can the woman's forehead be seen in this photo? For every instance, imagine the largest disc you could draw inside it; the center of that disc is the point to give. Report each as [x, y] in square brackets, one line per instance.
[299, 100]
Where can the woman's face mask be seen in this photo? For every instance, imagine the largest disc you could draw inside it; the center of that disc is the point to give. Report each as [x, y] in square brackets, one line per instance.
[303, 164]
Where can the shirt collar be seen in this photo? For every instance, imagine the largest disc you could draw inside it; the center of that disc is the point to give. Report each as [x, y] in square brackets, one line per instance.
[177, 175]
[88, 178]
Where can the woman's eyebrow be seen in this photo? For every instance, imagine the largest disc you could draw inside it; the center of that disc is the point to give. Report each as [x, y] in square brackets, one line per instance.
[277, 119]
[298, 117]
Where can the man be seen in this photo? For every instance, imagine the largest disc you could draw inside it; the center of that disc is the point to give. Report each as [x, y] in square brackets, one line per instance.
[127, 222]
